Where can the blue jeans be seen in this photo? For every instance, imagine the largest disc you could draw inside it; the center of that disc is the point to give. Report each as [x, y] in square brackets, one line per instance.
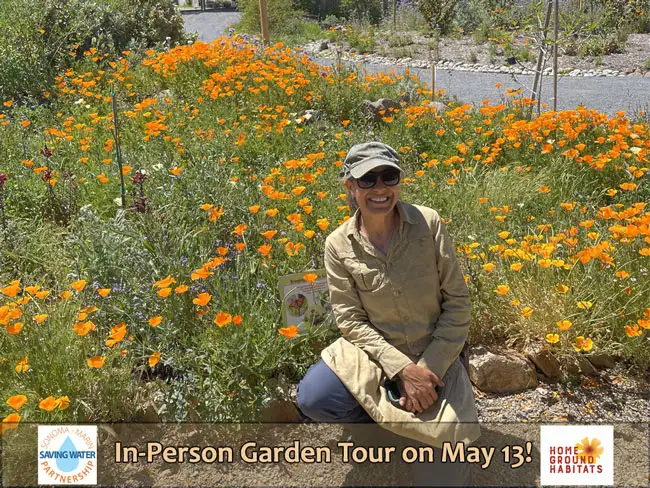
[322, 397]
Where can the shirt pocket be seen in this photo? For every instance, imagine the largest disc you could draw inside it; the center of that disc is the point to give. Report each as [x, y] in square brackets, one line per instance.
[368, 276]
[421, 260]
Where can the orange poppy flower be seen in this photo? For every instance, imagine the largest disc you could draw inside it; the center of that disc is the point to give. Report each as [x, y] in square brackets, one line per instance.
[200, 274]
[633, 331]
[222, 319]
[181, 289]
[564, 324]
[269, 234]
[237, 319]
[9, 422]
[96, 361]
[48, 404]
[65, 295]
[264, 249]
[240, 246]
[155, 321]
[40, 318]
[103, 292]
[164, 292]
[552, 338]
[15, 328]
[78, 285]
[83, 328]
[17, 401]
[202, 300]
[154, 359]
[310, 277]
[165, 282]
[12, 289]
[22, 366]
[289, 332]
[32, 290]
[240, 229]
[63, 402]
[42, 294]
[117, 334]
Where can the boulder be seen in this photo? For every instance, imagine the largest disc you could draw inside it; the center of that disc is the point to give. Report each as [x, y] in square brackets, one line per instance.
[324, 46]
[309, 115]
[601, 360]
[580, 364]
[283, 406]
[439, 106]
[373, 109]
[502, 372]
[544, 360]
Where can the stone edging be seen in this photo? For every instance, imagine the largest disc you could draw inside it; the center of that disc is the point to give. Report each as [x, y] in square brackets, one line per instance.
[315, 49]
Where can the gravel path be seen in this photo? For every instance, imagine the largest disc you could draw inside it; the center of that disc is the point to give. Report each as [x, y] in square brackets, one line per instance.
[607, 95]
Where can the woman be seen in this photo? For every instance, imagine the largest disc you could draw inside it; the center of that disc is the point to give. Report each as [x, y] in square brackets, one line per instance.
[402, 306]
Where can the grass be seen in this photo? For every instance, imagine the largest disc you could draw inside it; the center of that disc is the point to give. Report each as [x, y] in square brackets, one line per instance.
[554, 207]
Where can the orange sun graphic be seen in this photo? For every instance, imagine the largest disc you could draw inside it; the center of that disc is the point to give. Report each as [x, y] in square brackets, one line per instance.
[589, 452]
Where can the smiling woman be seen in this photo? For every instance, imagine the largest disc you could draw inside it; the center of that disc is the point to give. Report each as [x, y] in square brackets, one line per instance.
[403, 309]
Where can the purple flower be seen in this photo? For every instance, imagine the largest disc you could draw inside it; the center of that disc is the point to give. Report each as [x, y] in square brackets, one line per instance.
[3, 179]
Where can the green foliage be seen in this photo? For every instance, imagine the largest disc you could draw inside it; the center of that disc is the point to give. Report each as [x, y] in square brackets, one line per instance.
[438, 13]
[284, 17]
[599, 46]
[400, 40]
[40, 38]
[361, 11]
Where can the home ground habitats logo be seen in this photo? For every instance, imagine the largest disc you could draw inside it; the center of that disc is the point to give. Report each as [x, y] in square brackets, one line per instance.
[67, 454]
[577, 455]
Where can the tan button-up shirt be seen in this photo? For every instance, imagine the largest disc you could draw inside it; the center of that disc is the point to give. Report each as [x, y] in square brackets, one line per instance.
[408, 306]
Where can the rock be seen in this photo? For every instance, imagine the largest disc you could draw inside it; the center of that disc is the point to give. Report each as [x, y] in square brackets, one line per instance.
[504, 372]
[580, 364]
[601, 360]
[586, 367]
[147, 415]
[544, 360]
[647, 75]
[283, 406]
[324, 46]
[439, 106]
[307, 116]
[373, 109]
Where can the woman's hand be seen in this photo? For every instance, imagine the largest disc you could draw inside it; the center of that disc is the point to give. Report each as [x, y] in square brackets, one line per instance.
[418, 388]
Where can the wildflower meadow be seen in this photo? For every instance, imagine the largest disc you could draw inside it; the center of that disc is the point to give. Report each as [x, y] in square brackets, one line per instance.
[150, 204]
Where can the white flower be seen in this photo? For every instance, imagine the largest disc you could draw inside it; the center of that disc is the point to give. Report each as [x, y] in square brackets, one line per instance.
[80, 101]
[118, 201]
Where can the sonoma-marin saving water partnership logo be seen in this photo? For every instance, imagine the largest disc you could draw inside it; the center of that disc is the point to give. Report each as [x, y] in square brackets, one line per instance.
[67, 454]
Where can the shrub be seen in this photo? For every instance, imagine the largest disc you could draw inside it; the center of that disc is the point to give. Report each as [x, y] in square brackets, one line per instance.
[284, 16]
[438, 13]
[39, 38]
[361, 10]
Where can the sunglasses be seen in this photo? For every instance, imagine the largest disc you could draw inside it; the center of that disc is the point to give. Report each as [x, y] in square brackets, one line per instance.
[390, 177]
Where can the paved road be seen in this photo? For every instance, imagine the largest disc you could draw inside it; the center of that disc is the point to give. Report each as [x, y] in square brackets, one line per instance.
[607, 95]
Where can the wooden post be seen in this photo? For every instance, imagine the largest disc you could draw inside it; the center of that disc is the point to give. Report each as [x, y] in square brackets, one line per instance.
[264, 19]
[118, 150]
[537, 85]
[556, 27]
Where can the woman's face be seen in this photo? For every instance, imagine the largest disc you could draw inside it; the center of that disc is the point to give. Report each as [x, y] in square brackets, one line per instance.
[378, 200]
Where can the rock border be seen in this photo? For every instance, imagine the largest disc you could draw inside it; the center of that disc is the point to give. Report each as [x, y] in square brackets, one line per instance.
[326, 49]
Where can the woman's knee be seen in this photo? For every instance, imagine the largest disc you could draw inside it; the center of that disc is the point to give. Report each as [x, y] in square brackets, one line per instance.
[322, 397]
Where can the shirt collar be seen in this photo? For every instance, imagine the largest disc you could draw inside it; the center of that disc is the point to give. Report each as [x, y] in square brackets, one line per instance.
[405, 215]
